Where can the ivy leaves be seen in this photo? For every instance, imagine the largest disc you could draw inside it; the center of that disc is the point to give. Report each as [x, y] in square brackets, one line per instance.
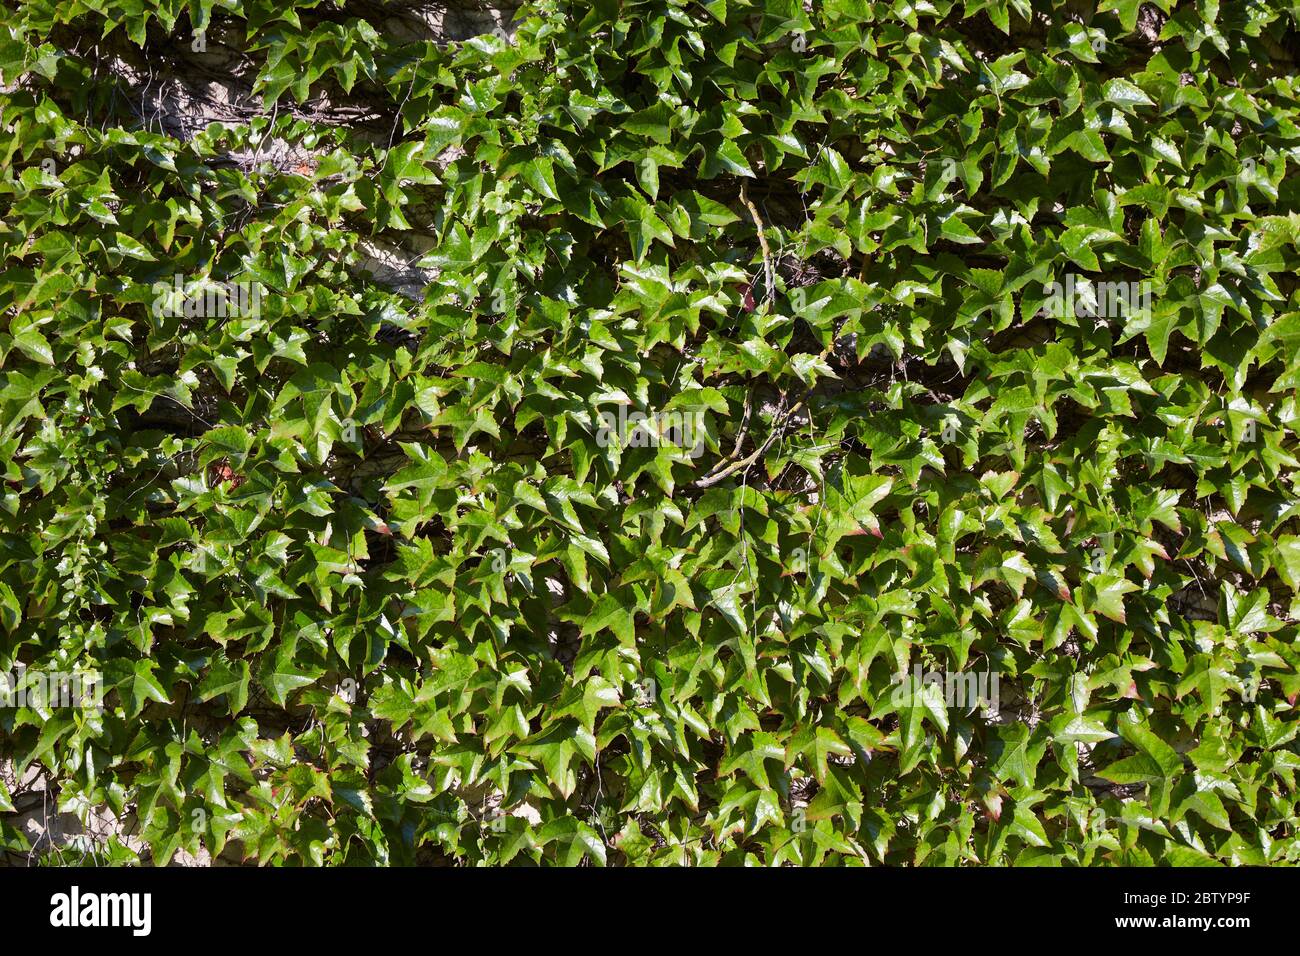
[648, 416]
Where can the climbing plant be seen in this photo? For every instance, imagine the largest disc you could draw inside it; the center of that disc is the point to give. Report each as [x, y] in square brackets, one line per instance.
[626, 435]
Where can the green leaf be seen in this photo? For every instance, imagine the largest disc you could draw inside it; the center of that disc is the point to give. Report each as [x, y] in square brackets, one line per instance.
[540, 175]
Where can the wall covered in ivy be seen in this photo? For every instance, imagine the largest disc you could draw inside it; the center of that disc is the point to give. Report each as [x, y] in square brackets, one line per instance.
[649, 432]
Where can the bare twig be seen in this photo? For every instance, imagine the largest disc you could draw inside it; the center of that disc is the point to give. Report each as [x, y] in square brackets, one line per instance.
[777, 429]
[769, 274]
